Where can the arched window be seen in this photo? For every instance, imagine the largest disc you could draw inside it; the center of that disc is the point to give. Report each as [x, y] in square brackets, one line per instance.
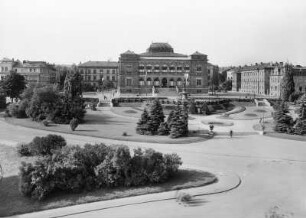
[141, 82]
[171, 82]
[164, 67]
[179, 82]
[149, 81]
[156, 82]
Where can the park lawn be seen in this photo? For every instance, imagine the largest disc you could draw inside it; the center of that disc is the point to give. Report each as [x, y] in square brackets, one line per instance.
[270, 132]
[110, 126]
[12, 202]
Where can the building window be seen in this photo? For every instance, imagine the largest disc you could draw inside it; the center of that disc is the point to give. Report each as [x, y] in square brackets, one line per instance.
[107, 71]
[128, 82]
[129, 73]
[148, 67]
[101, 70]
[156, 82]
[107, 78]
[179, 68]
[94, 78]
[187, 68]
[94, 71]
[199, 82]
[156, 67]
[114, 71]
[113, 78]
[141, 67]
[172, 68]
[141, 82]
[164, 67]
[149, 81]
[199, 68]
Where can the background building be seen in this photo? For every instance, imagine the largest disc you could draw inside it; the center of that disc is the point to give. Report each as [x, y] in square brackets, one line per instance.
[236, 79]
[162, 68]
[212, 76]
[6, 66]
[37, 72]
[255, 79]
[33, 71]
[94, 71]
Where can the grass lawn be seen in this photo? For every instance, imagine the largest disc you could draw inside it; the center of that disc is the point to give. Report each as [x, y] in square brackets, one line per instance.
[12, 202]
[270, 132]
[104, 124]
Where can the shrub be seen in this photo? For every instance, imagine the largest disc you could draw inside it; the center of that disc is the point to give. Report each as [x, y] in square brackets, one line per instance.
[124, 134]
[42, 145]
[23, 149]
[16, 110]
[2, 101]
[45, 122]
[74, 124]
[73, 169]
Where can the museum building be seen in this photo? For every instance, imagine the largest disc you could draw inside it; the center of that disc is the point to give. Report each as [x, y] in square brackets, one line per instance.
[160, 67]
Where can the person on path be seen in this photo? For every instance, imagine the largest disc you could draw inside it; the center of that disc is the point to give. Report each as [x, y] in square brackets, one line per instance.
[231, 133]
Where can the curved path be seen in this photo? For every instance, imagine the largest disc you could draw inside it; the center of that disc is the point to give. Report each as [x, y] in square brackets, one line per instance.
[272, 172]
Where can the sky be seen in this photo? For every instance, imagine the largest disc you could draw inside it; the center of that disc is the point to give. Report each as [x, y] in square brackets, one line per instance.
[230, 32]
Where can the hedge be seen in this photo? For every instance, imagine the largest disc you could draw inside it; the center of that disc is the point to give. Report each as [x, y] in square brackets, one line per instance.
[74, 169]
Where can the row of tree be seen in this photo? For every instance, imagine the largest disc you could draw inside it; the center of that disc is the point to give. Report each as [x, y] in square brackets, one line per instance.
[153, 122]
[41, 102]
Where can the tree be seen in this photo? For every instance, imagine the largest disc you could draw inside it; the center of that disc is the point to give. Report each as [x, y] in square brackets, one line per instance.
[300, 126]
[179, 122]
[227, 85]
[43, 103]
[106, 84]
[287, 83]
[13, 85]
[163, 129]
[142, 126]
[192, 108]
[282, 121]
[156, 115]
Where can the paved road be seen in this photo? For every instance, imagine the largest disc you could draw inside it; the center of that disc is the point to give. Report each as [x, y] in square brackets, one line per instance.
[273, 173]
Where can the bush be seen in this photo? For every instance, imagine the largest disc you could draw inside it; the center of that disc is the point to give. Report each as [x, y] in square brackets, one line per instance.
[124, 134]
[16, 110]
[42, 145]
[23, 149]
[45, 122]
[73, 169]
[2, 101]
[74, 124]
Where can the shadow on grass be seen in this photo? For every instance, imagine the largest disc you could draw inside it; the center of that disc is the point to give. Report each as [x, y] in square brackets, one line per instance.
[12, 202]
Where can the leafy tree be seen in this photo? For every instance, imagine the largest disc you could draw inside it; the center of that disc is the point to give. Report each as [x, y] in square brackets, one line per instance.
[287, 83]
[13, 85]
[43, 103]
[106, 84]
[227, 85]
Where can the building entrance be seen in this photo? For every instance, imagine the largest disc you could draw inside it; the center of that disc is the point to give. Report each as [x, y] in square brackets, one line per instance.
[164, 82]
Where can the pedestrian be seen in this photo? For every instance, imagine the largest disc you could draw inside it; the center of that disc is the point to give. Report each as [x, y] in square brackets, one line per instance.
[231, 133]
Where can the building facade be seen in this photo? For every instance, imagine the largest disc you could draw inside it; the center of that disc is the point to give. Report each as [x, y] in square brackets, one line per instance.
[160, 67]
[236, 80]
[33, 71]
[37, 72]
[93, 72]
[255, 79]
[6, 66]
[212, 76]
[299, 78]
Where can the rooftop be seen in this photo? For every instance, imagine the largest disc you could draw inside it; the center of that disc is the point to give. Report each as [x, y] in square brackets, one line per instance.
[99, 64]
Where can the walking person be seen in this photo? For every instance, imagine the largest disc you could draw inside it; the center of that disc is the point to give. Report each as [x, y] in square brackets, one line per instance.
[231, 133]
